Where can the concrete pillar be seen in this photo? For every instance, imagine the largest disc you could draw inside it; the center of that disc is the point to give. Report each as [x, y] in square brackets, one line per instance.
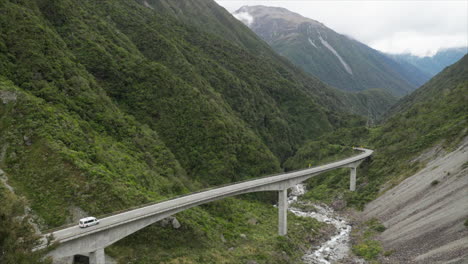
[352, 183]
[97, 257]
[283, 212]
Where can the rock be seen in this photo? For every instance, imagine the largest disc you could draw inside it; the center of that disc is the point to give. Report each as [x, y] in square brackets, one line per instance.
[338, 205]
[243, 236]
[27, 141]
[252, 221]
[175, 223]
[223, 239]
[251, 262]
[230, 249]
[7, 96]
[165, 222]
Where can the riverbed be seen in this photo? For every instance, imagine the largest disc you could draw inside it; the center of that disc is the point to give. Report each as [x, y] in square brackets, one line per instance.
[337, 247]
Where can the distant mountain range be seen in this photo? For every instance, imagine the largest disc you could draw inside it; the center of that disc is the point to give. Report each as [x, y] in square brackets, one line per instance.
[332, 57]
[434, 64]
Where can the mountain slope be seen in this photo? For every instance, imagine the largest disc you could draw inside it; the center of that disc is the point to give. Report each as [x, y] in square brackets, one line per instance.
[433, 64]
[416, 176]
[435, 114]
[425, 214]
[336, 59]
[112, 104]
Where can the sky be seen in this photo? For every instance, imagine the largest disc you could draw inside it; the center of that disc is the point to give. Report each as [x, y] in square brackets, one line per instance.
[419, 27]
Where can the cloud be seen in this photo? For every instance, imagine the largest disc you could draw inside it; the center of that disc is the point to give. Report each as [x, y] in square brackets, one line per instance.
[245, 17]
[418, 27]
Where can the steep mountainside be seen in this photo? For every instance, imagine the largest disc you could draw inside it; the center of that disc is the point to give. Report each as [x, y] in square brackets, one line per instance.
[111, 104]
[334, 58]
[432, 64]
[426, 214]
[418, 171]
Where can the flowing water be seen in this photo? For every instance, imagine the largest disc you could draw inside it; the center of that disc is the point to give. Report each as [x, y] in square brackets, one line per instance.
[332, 250]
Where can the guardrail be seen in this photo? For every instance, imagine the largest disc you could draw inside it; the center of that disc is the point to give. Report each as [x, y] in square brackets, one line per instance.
[51, 230]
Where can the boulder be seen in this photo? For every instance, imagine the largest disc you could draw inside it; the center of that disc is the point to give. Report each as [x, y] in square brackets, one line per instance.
[175, 223]
[252, 221]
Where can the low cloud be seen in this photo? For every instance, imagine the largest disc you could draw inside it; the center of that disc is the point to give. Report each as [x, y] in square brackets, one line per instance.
[245, 17]
[418, 27]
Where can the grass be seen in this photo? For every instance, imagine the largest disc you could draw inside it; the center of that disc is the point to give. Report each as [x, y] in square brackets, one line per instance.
[363, 239]
[213, 234]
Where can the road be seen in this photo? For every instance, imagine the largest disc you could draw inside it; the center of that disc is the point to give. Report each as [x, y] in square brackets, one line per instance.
[198, 198]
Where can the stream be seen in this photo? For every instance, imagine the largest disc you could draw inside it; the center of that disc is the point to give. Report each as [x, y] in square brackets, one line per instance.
[337, 246]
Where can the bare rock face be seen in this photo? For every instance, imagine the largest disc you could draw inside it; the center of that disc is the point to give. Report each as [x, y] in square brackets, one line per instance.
[425, 213]
[7, 96]
[77, 213]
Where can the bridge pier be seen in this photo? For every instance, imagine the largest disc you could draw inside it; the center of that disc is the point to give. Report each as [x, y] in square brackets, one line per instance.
[74, 241]
[97, 257]
[283, 212]
[352, 180]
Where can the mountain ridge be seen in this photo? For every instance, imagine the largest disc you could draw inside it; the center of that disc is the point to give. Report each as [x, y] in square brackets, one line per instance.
[435, 63]
[336, 59]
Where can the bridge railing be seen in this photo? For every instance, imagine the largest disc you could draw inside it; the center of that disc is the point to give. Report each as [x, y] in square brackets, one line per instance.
[51, 230]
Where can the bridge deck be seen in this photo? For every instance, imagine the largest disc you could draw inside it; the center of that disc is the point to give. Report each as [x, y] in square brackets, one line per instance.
[74, 232]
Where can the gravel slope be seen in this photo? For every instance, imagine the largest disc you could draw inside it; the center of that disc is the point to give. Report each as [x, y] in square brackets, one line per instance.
[425, 213]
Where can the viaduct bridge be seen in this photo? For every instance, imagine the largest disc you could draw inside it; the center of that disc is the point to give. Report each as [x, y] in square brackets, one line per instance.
[91, 241]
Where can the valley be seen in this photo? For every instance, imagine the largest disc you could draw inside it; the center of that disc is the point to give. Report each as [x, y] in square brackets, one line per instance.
[108, 106]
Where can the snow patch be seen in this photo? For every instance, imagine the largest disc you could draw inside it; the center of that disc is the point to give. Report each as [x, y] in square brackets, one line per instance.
[328, 46]
[244, 17]
[312, 43]
[145, 3]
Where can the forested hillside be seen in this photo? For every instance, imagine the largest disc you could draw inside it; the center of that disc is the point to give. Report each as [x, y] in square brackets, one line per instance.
[435, 114]
[107, 105]
[336, 59]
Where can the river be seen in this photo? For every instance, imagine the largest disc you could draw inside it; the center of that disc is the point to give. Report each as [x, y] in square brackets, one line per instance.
[337, 247]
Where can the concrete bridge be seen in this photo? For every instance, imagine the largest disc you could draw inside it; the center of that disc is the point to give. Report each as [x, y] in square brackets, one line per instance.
[91, 241]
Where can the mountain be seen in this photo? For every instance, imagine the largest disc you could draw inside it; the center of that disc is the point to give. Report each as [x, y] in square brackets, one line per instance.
[415, 184]
[423, 201]
[432, 65]
[336, 59]
[106, 105]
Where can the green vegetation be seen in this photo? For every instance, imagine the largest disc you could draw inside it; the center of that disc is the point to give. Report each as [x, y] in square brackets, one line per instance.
[107, 105]
[434, 182]
[435, 114]
[17, 237]
[368, 249]
[364, 243]
[214, 234]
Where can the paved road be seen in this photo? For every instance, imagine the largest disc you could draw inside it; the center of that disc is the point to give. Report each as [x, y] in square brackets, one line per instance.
[191, 200]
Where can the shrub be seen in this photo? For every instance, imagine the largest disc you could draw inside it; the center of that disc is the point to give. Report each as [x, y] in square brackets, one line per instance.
[369, 249]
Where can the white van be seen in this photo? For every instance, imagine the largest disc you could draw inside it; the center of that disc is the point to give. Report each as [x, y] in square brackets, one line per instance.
[88, 221]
